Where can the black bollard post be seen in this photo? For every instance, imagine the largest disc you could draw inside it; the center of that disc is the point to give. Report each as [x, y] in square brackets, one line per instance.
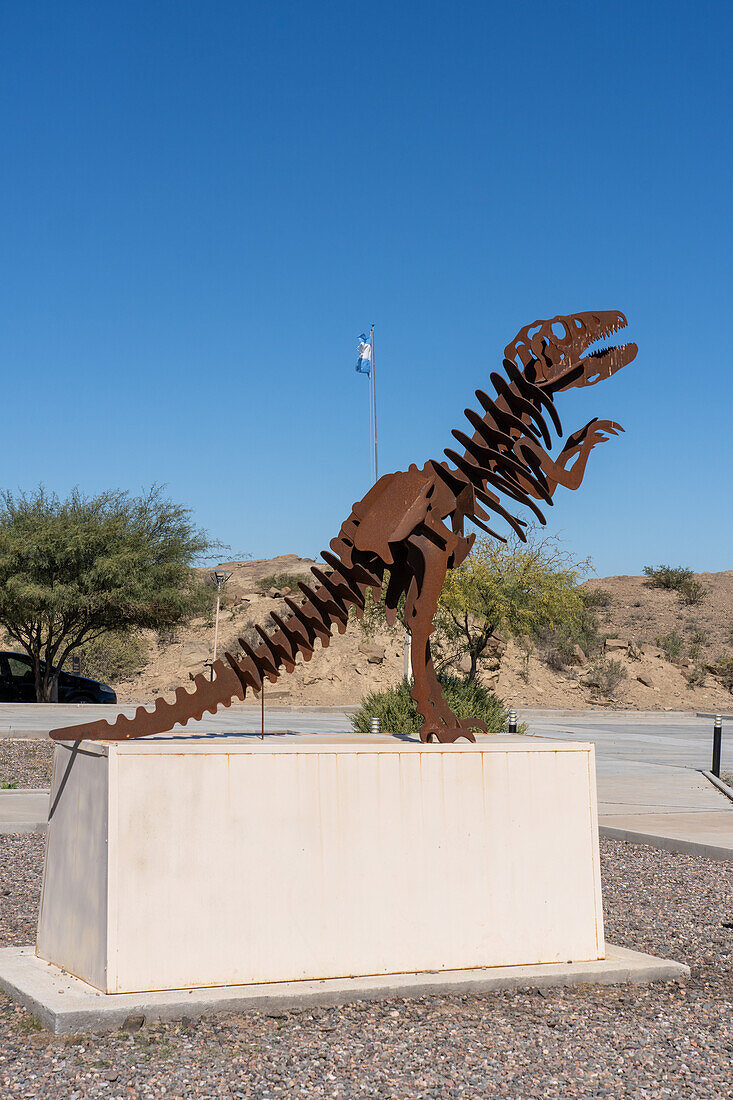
[512, 723]
[717, 744]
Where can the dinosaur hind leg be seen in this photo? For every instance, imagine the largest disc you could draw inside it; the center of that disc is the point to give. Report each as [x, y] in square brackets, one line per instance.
[429, 563]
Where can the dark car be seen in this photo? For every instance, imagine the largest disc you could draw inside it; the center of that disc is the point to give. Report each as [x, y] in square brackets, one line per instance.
[18, 684]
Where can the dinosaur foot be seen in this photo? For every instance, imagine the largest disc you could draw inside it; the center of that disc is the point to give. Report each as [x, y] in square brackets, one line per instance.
[473, 724]
[446, 735]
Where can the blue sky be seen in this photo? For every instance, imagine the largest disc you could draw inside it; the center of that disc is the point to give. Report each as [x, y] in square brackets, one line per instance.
[202, 205]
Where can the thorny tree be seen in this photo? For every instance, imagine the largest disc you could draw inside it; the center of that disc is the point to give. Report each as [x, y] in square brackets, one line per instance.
[518, 589]
[515, 589]
[72, 570]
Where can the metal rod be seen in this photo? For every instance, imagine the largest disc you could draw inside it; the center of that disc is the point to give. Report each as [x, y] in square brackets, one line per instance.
[717, 745]
[220, 577]
[216, 624]
[262, 709]
[374, 410]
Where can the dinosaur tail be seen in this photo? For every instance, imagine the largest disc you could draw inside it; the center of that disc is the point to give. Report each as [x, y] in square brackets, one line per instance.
[325, 605]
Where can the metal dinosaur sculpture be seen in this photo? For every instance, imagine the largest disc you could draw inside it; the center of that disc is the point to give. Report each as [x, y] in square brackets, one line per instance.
[410, 525]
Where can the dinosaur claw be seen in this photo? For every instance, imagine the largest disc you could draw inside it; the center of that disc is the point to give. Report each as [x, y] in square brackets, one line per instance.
[473, 723]
[434, 731]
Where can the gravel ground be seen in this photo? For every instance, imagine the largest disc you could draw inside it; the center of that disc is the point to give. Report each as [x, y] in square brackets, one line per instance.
[26, 763]
[667, 1040]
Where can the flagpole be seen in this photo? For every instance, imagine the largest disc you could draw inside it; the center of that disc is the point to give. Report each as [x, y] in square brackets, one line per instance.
[371, 414]
[374, 409]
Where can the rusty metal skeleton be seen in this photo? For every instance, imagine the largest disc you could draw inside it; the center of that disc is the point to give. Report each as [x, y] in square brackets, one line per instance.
[409, 528]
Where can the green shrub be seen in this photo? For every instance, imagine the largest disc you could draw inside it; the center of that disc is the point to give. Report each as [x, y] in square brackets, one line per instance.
[698, 638]
[692, 592]
[282, 580]
[680, 580]
[373, 618]
[605, 676]
[696, 676]
[114, 657]
[557, 647]
[595, 597]
[671, 644]
[724, 669]
[244, 630]
[397, 712]
[664, 576]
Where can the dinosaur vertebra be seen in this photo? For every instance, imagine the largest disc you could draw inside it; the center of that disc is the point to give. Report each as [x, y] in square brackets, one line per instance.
[411, 525]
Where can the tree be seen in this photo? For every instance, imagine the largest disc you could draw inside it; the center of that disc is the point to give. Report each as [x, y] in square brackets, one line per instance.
[519, 589]
[514, 588]
[76, 569]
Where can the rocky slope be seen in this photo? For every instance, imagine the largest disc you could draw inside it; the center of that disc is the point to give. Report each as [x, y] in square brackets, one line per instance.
[635, 616]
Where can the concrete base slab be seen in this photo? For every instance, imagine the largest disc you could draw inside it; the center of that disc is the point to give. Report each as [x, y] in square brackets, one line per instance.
[23, 811]
[69, 1006]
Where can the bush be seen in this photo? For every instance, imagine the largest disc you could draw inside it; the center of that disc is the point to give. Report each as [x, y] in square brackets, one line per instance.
[557, 646]
[114, 657]
[695, 677]
[692, 592]
[605, 676]
[397, 712]
[556, 658]
[245, 630]
[664, 576]
[671, 644]
[373, 618]
[594, 598]
[282, 580]
[698, 638]
[724, 669]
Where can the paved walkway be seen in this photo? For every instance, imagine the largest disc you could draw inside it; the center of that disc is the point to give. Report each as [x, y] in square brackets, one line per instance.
[650, 785]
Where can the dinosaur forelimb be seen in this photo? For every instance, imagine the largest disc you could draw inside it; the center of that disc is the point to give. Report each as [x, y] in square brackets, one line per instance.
[563, 470]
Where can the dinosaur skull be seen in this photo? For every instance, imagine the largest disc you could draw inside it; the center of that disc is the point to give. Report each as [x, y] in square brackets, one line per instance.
[554, 349]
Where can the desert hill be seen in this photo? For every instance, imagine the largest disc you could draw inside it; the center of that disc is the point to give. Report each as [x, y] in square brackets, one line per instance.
[633, 616]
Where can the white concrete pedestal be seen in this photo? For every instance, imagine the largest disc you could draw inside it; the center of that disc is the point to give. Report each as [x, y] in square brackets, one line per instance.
[180, 863]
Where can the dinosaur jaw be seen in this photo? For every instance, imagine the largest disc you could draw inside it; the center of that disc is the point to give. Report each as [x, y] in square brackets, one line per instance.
[599, 362]
[561, 352]
[604, 362]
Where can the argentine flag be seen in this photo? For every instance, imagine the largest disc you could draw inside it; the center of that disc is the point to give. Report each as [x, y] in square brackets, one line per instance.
[364, 356]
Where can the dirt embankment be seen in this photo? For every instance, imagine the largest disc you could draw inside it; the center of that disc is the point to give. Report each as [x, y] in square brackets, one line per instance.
[635, 615]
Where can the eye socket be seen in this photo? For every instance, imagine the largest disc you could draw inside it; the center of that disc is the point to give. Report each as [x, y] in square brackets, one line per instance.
[560, 330]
